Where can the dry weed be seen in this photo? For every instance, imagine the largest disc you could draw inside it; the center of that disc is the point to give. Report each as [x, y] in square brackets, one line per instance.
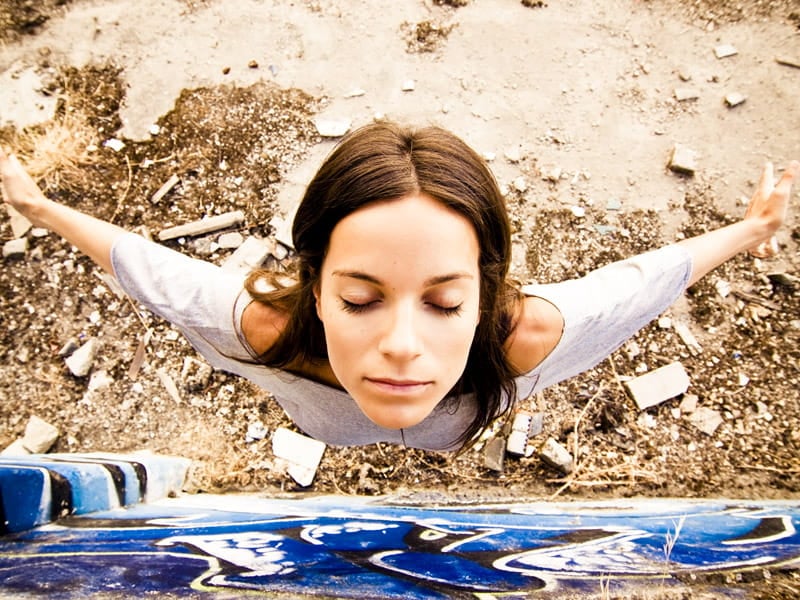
[56, 153]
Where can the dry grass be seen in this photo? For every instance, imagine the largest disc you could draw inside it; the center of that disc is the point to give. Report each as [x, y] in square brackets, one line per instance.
[56, 153]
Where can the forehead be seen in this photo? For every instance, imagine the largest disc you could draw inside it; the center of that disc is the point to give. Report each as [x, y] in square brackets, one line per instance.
[415, 231]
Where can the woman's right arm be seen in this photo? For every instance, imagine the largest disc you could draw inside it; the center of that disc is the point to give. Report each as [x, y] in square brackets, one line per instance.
[91, 236]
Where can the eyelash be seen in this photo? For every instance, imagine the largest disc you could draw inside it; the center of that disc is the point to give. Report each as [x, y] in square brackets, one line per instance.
[447, 311]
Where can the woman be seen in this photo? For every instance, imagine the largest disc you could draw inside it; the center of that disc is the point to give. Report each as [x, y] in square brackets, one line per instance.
[401, 326]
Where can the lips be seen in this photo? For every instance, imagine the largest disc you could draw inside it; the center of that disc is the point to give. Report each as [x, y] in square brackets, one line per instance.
[398, 386]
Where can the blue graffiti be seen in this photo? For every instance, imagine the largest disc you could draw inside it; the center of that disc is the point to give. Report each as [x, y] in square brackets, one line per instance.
[361, 548]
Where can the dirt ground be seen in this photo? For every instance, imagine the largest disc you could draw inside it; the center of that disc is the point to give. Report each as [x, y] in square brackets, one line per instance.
[574, 105]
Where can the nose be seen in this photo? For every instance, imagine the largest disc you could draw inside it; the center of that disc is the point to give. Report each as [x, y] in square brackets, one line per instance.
[401, 339]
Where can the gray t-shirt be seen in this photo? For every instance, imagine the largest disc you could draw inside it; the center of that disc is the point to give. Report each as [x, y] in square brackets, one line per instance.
[601, 311]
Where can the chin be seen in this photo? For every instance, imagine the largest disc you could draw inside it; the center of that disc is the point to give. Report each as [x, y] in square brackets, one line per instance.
[395, 417]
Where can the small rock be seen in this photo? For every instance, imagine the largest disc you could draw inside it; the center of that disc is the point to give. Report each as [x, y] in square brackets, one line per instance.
[688, 338]
[253, 64]
[659, 385]
[195, 374]
[255, 431]
[723, 288]
[169, 385]
[688, 403]
[734, 99]
[39, 232]
[39, 435]
[115, 144]
[15, 448]
[165, 188]
[513, 155]
[684, 94]
[556, 455]
[233, 239]
[520, 184]
[303, 454]
[664, 323]
[250, 255]
[332, 128]
[683, 160]
[68, 348]
[578, 211]
[725, 50]
[19, 223]
[494, 453]
[355, 93]
[80, 361]
[15, 248]
[408, 85]
[706, 420]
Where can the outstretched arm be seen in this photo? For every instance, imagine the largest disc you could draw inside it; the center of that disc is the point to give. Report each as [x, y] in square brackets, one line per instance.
[90, 235]
[755, 232]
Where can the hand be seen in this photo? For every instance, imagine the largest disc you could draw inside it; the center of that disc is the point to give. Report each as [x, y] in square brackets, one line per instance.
[770, 204]
[19, 190]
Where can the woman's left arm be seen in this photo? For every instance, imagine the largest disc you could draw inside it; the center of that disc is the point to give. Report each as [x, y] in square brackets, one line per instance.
[755, 232]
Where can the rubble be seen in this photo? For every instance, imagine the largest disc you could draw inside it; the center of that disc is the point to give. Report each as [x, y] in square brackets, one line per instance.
[706, 420]
[15, 248]
[725, 51]
[80, 362]
[39, 435]
[301, 452]
[557, 456]
[332, 128]
[206, 225]
[733, 99]
[683, 160]
[659, 385]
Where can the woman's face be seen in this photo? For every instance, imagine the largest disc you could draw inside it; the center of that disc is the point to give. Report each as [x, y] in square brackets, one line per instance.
[399, 302]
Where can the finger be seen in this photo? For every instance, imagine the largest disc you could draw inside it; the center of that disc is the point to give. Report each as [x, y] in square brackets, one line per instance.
[792, 172]
[767, 181]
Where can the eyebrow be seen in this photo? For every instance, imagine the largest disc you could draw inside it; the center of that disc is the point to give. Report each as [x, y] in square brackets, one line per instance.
[430, 282]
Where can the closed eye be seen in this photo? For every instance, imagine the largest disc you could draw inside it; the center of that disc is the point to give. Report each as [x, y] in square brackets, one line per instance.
[447, 311]
[356, 307]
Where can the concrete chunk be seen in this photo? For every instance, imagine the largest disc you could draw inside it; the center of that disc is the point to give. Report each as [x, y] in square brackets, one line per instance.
[16, 247]
[202, 226]
[706, 420]
[302, 453]
[80, 361]
[683, 160]
[734, 99]
[657, 386]
[725, 50]
[39, 435]
[556, 455]
[249, 255]
[494, 453]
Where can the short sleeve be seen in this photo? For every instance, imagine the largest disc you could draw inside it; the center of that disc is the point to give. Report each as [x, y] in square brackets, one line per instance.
[197, 297]
[608, 306]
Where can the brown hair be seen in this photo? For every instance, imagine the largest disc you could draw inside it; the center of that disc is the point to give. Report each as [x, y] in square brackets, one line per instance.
[384, 161]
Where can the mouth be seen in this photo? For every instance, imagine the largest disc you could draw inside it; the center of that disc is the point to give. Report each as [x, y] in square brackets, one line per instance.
[398, 386]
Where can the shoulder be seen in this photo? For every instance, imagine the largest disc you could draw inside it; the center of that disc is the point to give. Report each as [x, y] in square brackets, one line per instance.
[537, 331]
[262, 325]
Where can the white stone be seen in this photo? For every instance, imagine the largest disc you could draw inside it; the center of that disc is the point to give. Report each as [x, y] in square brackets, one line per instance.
[706, 420]
[15, 448]
[725, 50]
[16, 247]
[232, 239]
[39, 435]
[556, 455]
[659, 385]
[80, 361]
[333, 128]
[409, 85]
[302, 453]
[115, 144]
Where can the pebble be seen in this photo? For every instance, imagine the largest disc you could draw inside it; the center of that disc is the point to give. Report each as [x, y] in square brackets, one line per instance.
[15, 248]
[80, 362]
[734, 99]
[706, 420]
[233, 239]
[520, 184]
[333, 128]
[689, 403]
[409, 85]
[725, 50]
[513, 155]
[355, 93]
[683, 160]
[684, 94]
[256, 431]
[15, 448]
[115, 144]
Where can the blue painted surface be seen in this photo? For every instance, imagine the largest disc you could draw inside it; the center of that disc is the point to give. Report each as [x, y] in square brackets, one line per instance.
[226, 546]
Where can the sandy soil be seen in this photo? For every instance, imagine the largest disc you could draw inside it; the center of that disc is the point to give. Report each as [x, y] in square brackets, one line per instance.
[574, 104]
